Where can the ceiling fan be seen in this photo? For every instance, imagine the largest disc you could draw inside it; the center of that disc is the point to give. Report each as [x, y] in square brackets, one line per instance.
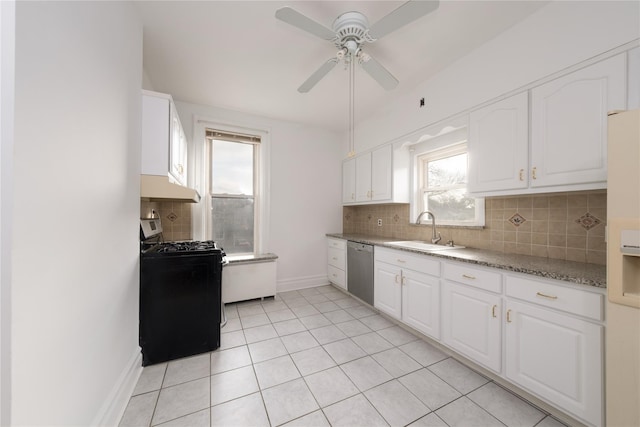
[350, 31]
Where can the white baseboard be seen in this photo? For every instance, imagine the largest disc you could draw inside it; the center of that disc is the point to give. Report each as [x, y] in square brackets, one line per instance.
[296, 283]
[113, 408]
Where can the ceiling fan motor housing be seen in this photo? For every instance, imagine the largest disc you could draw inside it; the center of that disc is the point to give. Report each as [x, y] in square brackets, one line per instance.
[351, 26]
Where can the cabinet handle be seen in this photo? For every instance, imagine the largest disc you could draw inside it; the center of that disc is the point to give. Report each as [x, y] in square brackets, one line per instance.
[401, 261]
[521, 174]
[353, 196]
[533, 173]
[493, 311]
[334, 258]
[466, 276]
[508, 316]
[540, 294]
[372, 194]
[180, 169]
[398, 277]
[369, 194]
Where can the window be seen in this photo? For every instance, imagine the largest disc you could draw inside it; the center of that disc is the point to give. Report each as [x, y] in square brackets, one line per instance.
[442, 175]
[233, 180]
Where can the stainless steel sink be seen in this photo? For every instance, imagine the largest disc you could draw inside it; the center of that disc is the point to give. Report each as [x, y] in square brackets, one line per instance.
[423, 246]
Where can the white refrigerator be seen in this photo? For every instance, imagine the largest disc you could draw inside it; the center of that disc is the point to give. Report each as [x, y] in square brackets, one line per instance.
[622, 352]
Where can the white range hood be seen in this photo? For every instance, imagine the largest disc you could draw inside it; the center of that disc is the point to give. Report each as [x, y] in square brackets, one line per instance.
[159, 188]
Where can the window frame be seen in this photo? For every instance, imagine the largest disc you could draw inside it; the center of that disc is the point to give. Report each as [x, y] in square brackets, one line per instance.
[201, 174]
[254, 196]
[438, 138]
[421, 161]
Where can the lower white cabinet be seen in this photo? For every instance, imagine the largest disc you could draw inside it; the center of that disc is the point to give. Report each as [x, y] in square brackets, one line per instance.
[337, 262]
[542, 335]
[471, 323]
[387, 290]
[421, 302]
[556, 356]
[407, 287]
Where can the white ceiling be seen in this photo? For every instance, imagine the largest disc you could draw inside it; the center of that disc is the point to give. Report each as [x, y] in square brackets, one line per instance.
[236, 55]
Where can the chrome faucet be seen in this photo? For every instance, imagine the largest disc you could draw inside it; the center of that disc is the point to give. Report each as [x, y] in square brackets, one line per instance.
[435, 237]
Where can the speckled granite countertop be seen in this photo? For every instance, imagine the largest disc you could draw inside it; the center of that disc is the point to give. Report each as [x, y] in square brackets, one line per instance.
[568, 271]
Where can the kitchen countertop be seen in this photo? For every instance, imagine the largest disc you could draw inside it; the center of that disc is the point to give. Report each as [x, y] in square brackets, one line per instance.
[568, 271]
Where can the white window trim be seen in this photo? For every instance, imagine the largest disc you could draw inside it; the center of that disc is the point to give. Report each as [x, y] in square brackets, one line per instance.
[261, 193]
[437, 137]
[440, 153]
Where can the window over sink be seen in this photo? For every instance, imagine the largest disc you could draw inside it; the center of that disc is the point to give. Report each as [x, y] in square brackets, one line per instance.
[440, 169]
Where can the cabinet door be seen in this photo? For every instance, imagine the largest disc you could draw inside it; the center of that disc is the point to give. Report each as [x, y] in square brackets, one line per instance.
[421, 302]
[363, 178]
[381, 170]
[349, 181]
[498, 145]
[387, 290]
[156, 133]
[177, 149]
[569, 124]
[471, 324]
[557, 357]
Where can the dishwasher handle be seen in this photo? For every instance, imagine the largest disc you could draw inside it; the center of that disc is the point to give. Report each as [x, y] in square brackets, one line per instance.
[360, 247]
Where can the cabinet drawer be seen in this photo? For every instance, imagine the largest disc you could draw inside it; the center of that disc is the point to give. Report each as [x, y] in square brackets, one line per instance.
[337, 243]
[575, 301]
[479, 278]
[337, 276]
[421, 263]
[336, 257]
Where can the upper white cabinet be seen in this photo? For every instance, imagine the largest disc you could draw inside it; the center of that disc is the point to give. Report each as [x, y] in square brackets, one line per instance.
[551, 139]
[349, 181]
[499, 145]
[363, 178]
[378, 176]
[569, 124]
[164, 145]
[178, 151]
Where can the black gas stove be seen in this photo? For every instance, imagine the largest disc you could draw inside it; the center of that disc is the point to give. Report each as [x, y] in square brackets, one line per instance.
[180, 295]
[169, 248]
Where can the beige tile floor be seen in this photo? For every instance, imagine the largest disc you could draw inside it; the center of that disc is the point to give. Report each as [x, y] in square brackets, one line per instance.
[317, 357]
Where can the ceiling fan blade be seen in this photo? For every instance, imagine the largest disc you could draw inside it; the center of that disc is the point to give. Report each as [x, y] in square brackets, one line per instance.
[295, 18]
[318, 75]
[408, 12]
[380, 74]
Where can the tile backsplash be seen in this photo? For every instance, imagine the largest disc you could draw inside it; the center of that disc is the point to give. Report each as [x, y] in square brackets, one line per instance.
[175, 218]
[567, 226]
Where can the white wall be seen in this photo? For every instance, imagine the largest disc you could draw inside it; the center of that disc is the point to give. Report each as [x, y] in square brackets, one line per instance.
[7, 64]
[305, 191]
[76, 208]
[557, 36]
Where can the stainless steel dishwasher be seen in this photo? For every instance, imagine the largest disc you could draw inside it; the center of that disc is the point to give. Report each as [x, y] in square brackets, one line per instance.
[360, 271]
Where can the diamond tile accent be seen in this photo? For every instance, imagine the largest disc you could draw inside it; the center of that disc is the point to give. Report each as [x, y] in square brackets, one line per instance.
[588, 221]
[172, 217]
[517, 219]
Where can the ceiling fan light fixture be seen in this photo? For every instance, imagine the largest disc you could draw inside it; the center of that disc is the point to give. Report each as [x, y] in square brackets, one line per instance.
[351, 26]
[363, 57]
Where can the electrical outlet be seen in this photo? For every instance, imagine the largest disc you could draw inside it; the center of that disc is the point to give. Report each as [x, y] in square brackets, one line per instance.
[379, 222]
